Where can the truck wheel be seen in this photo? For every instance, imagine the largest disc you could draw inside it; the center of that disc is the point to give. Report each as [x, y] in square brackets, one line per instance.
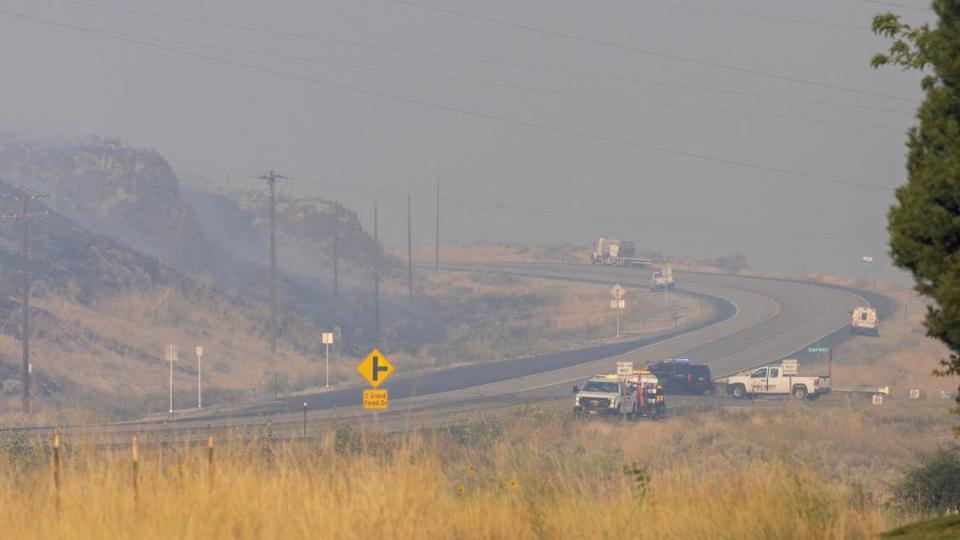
[739, 391]
[800, 392]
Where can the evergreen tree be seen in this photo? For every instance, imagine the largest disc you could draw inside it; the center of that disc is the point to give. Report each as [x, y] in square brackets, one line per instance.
[924, 223]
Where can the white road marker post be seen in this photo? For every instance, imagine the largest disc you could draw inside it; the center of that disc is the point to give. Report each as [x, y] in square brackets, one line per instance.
[618, 304]
[327, 339]
[867, 261]
[199, 376]
[171, 358]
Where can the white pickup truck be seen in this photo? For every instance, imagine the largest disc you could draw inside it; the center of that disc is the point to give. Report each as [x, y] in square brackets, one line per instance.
[771, 380]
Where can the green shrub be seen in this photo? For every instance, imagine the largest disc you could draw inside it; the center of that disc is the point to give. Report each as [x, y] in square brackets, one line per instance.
[934, 486]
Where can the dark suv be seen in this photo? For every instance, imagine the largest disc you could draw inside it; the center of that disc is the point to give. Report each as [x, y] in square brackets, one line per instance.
[683, 377]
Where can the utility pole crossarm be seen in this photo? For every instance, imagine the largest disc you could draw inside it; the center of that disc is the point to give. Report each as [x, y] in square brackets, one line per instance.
[16, 218]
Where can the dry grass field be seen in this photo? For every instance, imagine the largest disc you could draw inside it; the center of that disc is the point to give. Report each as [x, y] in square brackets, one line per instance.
[565, 316]
[86, 355]
[766, 470]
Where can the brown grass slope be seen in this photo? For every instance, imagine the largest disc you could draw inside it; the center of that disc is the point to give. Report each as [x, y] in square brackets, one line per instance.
[103, 312]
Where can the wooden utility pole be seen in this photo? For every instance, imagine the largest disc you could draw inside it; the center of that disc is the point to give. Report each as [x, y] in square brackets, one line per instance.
[336, 262]
[436, 246]
[271, 180]
[409, 250]
[24, 198]
[376, 274]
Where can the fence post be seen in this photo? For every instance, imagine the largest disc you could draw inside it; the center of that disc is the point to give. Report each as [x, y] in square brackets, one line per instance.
[56, 469]
[210, 457]
[135, 451]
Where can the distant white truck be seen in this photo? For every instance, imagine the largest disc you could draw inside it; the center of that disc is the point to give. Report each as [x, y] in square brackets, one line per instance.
[662, 280]
[773, 380]
[613, 252]
[863, 320]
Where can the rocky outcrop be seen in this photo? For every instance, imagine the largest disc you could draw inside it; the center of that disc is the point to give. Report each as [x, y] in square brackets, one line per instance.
[129, 194]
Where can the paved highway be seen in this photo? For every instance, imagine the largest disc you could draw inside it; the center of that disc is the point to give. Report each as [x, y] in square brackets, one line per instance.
[754, 321]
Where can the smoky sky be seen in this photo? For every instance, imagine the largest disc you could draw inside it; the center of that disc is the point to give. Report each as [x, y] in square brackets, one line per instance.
[527, 146]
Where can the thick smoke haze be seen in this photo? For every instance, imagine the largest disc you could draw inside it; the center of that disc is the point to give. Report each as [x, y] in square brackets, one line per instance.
[518, 168]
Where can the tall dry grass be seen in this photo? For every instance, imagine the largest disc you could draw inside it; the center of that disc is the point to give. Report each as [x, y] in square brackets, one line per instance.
[420, 485]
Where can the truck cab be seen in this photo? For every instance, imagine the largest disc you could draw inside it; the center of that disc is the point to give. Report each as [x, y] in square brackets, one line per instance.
[639, 395]
[604, 395]
[863, 320]
[662, 280]
[614, 252]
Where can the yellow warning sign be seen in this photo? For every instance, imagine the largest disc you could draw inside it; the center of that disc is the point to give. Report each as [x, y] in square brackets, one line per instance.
[375, 368]
[375, 399]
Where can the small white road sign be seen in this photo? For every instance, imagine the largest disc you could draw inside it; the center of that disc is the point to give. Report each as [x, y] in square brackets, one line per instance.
[618, 291]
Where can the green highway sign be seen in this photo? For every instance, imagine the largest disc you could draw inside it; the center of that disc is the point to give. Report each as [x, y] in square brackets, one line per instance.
[818, 349]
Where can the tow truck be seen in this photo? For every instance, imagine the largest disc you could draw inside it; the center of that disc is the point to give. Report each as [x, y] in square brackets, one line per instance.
[637, 396]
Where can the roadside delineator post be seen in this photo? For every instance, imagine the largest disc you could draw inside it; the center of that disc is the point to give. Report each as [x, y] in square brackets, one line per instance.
[135, 467]
[327, 339]
[304, 420]
[210, 458]
[56, 470]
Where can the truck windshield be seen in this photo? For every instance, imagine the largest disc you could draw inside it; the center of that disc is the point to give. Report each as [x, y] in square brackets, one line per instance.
[600, 386]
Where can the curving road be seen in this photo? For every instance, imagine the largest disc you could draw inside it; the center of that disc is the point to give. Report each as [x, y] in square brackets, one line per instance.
[755, 321]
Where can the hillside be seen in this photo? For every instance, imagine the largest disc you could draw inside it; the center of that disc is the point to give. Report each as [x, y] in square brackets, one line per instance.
[133, 196]
[102, 313]
[129, 194]
[133, 259]
[239, 224]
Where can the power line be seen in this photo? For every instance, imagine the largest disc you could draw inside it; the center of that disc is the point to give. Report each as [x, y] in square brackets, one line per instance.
[468, 112]
[651, 52]
[894, 4]
[495, 84]
[605, 217]
[747, 14]
[486, 61]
